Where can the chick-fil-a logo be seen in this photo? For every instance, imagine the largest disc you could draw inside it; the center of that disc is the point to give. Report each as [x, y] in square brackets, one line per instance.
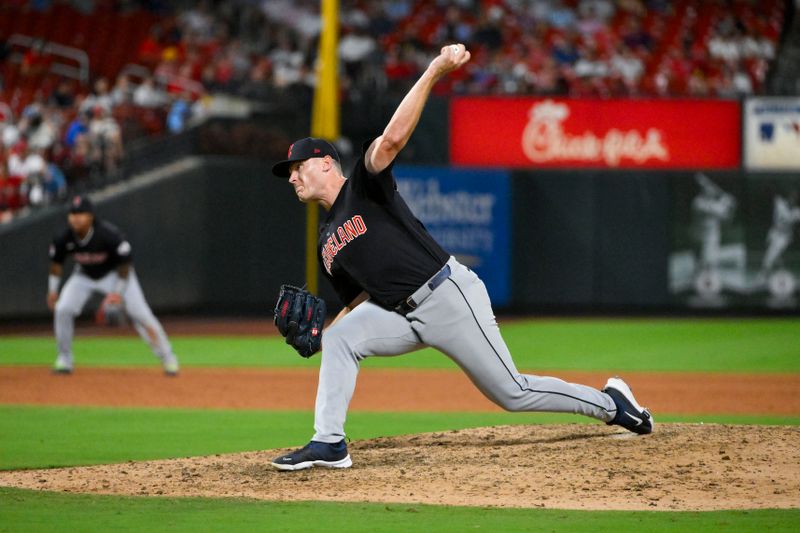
[544, 140]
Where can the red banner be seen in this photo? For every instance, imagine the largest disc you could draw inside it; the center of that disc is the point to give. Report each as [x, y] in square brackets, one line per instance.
[562, 133]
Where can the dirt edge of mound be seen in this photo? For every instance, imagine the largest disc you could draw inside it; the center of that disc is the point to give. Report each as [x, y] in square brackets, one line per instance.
[679, 467]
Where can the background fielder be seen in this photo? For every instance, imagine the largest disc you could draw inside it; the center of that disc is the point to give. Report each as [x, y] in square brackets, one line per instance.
[403, 292]
[103, 259]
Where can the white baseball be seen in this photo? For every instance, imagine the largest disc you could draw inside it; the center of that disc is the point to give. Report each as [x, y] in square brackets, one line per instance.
[454, 48]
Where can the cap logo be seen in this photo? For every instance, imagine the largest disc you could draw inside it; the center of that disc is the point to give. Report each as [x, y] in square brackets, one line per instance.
[290, 150]
[76, 201]
[317, 150]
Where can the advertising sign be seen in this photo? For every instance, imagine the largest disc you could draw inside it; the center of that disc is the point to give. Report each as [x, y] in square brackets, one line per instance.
[468, 213]
[562, 133]
[772, 134]
[734, 241]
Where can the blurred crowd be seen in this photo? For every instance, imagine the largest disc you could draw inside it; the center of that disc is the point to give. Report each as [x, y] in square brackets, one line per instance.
[70, 136]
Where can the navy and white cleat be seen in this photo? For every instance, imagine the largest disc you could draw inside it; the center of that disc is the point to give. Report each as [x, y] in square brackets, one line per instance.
[630, 414]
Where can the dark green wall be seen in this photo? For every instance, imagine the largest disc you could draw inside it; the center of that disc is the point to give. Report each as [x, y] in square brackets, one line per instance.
[218, 237]
[589, 240]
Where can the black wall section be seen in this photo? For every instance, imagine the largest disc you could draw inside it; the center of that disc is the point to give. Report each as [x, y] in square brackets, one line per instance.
[218, 237]
[589, 240]
[553, 239]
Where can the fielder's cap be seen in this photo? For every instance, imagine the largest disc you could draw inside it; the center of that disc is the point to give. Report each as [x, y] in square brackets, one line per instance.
[302, 150]
[81, 204]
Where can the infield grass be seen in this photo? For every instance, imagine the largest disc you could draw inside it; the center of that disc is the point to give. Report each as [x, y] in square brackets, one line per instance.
[43, 437]
[691, 345]
[39, 437]
[23, 510]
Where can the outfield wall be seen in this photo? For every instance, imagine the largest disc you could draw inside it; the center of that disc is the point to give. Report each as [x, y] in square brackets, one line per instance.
[560, 205]
[216, 234]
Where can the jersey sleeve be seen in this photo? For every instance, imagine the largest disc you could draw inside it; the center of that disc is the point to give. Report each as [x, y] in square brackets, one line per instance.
[119, 246]
[58, 249]
[380, 186]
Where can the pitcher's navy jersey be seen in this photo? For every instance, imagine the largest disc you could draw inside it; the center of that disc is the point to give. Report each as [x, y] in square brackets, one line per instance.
[371, 241]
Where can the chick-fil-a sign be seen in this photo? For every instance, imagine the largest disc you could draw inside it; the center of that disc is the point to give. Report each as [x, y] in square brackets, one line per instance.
[566, 133]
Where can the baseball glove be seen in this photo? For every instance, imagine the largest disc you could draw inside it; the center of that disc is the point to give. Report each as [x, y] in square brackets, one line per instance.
[110, 314]
[300, 317]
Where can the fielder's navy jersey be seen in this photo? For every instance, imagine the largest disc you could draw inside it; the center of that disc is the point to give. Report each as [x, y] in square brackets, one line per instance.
[371, 241]
[102, 250]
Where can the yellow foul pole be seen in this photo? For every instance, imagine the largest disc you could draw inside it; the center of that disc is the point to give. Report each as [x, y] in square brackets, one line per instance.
[324, 119]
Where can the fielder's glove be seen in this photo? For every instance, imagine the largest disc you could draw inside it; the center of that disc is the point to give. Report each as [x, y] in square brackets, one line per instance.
[300, 317]
[110, 314]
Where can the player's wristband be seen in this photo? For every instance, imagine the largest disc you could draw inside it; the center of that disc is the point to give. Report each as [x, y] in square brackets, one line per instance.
[120, 286]
[53, 282]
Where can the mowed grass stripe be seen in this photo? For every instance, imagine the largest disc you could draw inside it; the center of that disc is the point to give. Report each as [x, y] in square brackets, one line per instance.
[22, 510]
[43, 437]
[711, 345]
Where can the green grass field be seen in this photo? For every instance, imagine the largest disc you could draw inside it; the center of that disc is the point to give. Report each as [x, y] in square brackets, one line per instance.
[36, 437]
[753, 345]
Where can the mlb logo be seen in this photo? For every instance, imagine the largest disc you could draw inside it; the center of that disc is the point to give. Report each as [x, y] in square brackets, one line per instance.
[766, 131]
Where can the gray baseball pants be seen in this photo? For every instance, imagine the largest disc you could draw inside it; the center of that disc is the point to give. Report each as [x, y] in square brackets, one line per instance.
[76, 292]
[457, 319]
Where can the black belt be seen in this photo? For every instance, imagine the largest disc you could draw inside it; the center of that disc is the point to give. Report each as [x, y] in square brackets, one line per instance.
[411, 303]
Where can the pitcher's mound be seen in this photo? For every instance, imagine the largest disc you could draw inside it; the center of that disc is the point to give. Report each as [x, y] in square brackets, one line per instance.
[577, 466]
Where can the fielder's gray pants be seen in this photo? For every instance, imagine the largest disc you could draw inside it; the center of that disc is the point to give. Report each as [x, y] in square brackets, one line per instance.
[77, 290]
[456, 319]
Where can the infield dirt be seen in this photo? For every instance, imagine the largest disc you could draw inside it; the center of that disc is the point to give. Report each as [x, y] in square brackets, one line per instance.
[577, 466]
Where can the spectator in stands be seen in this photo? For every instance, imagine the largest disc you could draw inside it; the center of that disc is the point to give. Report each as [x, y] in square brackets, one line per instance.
[147, 94]
[199, 21]
[36, 61]
[78, 126]
[564, 51]
[55, 183]
[26, 163]
[258, 85]
[549, 79]
[590, 24]
[149, 51]
[591, 65]
[635, 36]
[356, 49]
[487, 32]
[698, 84]
[455, 28]
[627, 65]
[100, 96]
[179, 113]
[755, 45]
[287, 61]
[741, 81]
[10, 197]
[44, 128]
[11, 134]
[561, 16]
[602, 10]
[77, 164]
[105, 137]
[122, 93]
[63, 97]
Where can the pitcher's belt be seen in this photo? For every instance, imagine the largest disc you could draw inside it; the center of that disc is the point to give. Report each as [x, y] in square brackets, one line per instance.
[413, 301]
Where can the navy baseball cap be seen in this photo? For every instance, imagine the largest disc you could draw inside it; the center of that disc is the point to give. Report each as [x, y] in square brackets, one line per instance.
[302, 150]
[81, 204]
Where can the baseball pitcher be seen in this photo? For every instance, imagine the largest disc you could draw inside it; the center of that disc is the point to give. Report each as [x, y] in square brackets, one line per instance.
[102, 264]
[401, 292]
